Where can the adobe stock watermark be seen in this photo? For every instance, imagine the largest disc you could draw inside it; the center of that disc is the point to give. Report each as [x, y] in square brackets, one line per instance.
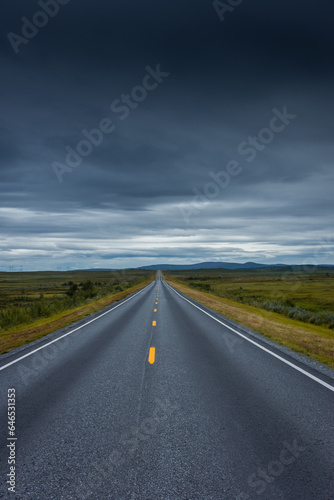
[295, 277]
[259, 480]
[223, 7]
[249, 148]
[231, 340]
[36, 363]
[295, 274]
[128, 446]
[40, 19]
[122, 108]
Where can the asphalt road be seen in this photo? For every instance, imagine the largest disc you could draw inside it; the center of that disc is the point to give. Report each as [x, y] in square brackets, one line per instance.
[184, 408]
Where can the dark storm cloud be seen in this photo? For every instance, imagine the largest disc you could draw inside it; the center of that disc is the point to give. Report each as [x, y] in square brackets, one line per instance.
[225, 79]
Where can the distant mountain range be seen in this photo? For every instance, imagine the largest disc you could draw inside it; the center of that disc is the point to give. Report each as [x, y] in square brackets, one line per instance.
[210, 265]
[213, 265]
[220, 265]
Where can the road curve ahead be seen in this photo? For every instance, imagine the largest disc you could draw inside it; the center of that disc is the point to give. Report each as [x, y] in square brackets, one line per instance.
[159, 398]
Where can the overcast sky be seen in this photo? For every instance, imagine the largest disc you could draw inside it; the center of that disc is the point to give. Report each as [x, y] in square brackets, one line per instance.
[173, 176]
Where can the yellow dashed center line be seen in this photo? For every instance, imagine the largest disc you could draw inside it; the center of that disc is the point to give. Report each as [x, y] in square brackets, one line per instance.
[156, 302]
[155, 310]
[151, 356]
[154, 323]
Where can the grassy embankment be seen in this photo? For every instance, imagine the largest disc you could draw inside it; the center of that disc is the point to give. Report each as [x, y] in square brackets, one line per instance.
[291, 306]
[33, 304]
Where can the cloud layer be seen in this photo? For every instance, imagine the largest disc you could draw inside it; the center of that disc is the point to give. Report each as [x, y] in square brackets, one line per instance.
[139, 197]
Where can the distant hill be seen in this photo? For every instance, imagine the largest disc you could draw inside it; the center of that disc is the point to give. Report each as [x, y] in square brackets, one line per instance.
[209, 265]
[213, 265]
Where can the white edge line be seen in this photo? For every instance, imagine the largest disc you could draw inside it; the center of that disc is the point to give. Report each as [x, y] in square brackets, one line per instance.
[330, 387]
[69, 333]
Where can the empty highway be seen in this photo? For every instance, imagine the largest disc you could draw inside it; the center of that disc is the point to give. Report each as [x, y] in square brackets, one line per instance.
[158, 397]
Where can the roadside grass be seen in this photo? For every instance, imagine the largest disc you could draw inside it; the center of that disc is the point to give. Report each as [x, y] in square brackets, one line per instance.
[30, 296]
[18, 336]
[313, 341]
[303, 293]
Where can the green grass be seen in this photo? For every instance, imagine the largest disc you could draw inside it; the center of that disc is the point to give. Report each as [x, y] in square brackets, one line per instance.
[304, 294]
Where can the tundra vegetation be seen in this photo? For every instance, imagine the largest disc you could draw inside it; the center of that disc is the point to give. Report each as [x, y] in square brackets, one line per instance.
[35, 303]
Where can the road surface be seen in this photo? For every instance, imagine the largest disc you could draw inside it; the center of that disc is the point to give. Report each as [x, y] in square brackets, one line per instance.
[160, 398]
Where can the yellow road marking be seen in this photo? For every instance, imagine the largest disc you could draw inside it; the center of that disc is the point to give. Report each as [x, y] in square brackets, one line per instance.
[151, 356]
[156, 302]
[155, 310]
[154, 323]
